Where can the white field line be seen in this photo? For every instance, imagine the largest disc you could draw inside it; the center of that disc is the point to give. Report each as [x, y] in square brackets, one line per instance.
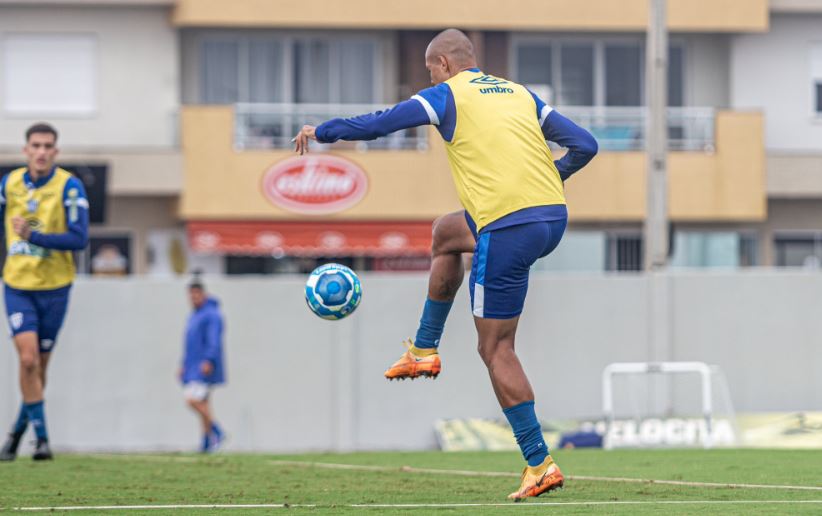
[146, 457]
[413, 505]
[464, 473]
[167, 507]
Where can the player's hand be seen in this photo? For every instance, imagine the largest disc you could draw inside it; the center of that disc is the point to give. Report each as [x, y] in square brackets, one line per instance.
[180, 374]
[21, 227]
[301, 140]
[206, 368]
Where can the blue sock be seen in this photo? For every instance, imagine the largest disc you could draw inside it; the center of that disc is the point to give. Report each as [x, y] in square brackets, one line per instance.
[37, 417]
[22, 422]
[528, 432]
[432, 323]
[216, 430]
[204, 447]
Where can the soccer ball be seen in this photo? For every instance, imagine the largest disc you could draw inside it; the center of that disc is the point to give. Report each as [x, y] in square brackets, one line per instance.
[333, 291]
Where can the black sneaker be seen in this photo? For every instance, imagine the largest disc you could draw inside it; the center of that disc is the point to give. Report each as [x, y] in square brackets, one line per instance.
[9, 451]
[42, 452]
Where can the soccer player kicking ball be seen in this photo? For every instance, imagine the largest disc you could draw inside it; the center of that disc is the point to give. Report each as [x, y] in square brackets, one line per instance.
[45, 215]
[512, 192]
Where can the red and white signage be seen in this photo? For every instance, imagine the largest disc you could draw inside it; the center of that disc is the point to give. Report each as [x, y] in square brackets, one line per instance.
[315, 238]
[315, 184]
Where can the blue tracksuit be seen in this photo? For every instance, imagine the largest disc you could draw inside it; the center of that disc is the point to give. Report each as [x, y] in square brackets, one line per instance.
[204, 341]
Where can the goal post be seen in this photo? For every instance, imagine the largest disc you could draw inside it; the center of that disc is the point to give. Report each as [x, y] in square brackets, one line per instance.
[670, 431]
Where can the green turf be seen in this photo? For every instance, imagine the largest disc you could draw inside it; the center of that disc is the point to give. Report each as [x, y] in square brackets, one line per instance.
[83, 480]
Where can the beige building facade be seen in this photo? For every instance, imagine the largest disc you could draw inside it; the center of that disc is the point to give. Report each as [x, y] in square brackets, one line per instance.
[189, 106]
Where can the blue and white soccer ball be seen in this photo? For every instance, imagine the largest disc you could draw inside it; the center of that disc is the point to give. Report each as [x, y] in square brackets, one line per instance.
[333, 291]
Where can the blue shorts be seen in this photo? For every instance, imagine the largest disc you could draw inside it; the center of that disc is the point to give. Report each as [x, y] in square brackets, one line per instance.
[40, 311]
[502, 261]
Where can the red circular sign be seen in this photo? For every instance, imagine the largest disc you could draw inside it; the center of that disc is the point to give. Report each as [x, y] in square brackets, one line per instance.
[317, 184]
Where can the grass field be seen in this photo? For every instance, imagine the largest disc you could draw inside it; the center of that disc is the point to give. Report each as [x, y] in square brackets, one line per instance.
[393, 483]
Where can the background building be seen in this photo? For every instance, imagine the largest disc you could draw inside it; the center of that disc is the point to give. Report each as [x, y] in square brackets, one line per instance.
[183, 143]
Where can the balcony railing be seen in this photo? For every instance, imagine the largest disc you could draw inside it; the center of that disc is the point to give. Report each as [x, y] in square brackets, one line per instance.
[271, 126]
[623, 128]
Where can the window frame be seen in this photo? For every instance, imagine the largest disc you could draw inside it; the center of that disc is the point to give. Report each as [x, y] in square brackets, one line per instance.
[813, 237]
[287, 41]
[599, 43]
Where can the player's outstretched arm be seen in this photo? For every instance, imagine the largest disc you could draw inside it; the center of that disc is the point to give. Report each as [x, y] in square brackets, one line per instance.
[581, 145]
[76, 209]
[406, 114]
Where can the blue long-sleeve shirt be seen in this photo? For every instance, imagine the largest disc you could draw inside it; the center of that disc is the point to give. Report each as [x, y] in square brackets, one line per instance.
[436, 106]
[204, 342]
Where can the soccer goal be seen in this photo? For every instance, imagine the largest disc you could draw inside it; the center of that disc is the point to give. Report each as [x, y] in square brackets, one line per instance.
[666, 404]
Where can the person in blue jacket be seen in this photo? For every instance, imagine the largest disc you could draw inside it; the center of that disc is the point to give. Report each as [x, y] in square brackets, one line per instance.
[202, 366]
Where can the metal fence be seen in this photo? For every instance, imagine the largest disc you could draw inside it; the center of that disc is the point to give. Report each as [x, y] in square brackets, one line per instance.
[623, 128]
[271, 126]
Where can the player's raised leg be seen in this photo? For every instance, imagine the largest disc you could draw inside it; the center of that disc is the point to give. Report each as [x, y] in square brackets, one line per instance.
[451, 238]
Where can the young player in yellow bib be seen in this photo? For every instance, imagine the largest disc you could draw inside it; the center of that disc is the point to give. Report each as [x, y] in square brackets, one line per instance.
[45, 215]
[512, 192]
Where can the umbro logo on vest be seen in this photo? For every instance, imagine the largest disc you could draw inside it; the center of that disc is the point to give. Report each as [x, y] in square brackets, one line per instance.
[488, 80]
[492, 85]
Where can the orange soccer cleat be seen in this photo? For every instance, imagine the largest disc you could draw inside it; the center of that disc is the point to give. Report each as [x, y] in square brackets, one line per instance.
[415, 362]
[538, 480]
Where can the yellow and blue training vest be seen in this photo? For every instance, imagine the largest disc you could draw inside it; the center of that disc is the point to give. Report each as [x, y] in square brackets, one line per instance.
[495, 132]
[56, 209]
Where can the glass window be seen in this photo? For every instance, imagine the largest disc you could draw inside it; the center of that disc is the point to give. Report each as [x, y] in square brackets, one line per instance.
[49, 74]
[748, 251]
[816, 75]
[624, 253]
[312, 71]
[623, 75]
[236, 264]
[799, 251]
[265, 69]
[253, 69]
[706, 249]
[676, 74]
[249, 265]
[577, 75]
[357, 71]
[534, 64]
[220, 72]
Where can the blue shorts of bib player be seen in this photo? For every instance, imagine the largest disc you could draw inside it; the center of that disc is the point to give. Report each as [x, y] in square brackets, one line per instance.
[502, 261]
[40, 311]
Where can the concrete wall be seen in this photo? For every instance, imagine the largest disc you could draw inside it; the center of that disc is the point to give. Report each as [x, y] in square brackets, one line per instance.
[772, 72]
[297, 382]
[137, 67]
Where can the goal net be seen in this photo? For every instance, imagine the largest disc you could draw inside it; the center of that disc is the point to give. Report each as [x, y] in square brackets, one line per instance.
[666, 404]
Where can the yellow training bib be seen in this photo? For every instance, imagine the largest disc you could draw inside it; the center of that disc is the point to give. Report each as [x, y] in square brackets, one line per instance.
[30, 267]
[498, 155]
